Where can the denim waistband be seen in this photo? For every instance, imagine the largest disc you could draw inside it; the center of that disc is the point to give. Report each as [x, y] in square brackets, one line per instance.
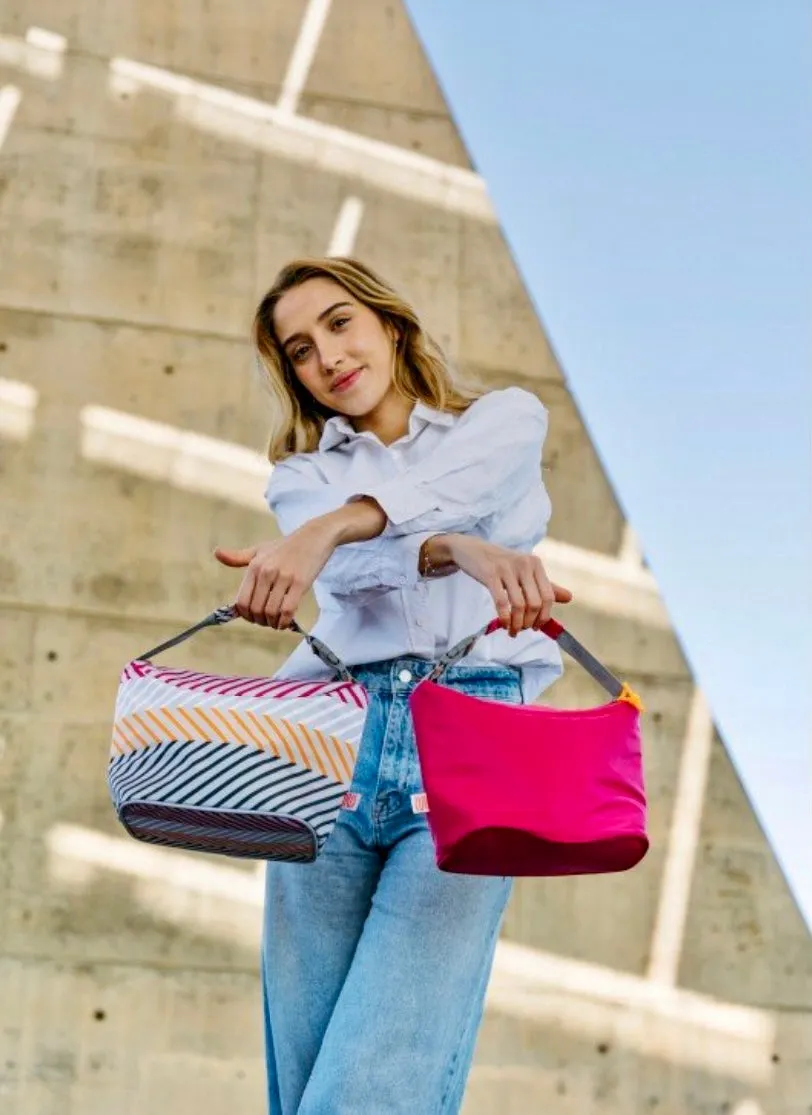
[389, 675]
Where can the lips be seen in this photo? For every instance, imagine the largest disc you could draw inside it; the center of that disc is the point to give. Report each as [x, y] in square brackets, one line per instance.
[343, 383]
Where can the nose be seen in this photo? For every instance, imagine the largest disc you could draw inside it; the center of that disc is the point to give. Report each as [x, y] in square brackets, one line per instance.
[330, 356]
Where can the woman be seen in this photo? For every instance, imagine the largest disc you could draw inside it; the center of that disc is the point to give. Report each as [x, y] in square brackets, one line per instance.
[411, 507]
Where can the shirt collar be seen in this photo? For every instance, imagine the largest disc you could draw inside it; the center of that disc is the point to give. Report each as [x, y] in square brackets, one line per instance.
[339, 429]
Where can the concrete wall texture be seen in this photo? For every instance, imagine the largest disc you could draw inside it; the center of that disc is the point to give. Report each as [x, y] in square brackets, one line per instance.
[159, 162]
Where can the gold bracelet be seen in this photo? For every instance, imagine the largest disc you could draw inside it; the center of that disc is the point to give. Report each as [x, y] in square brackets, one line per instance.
[424, 566]
[428, 570]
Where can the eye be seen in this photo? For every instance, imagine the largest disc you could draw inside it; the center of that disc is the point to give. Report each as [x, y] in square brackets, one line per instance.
[299, 353]
[340, 321]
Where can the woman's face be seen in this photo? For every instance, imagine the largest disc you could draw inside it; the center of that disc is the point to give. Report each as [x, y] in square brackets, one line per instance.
[340, 350]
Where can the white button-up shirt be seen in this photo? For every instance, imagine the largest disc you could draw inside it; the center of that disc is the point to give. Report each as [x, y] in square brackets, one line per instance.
[476, 473]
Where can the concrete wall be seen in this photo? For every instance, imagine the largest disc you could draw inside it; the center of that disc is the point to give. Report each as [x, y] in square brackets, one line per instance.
[142, 213]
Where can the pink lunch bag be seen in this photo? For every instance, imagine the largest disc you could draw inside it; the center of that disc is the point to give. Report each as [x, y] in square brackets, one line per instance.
[529, 790]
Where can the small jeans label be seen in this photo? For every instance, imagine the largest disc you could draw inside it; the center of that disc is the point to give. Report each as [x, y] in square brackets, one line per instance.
[350, 801]
[420, 803]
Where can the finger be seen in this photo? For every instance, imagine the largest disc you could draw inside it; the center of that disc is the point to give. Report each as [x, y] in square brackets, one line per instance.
[501, 601]
[235, 559]
[562, 595]
[278, 605]
[533, 598]
[243, 601]
[290, 603]
[516, 604]
[545, 590]
[263, 588]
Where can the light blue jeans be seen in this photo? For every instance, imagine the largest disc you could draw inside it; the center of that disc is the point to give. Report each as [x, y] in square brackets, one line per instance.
[375, 963]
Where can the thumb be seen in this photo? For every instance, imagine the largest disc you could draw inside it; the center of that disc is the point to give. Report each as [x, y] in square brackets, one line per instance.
[562, 595]
[235, 559]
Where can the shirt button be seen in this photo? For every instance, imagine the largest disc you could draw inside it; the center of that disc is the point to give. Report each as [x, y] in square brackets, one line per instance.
[403, 580]
[404, 676]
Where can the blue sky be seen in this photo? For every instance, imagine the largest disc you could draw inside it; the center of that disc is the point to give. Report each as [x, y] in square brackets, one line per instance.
[651, 165]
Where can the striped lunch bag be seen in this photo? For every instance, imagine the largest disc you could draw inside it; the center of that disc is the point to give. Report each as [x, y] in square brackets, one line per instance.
[240, 766]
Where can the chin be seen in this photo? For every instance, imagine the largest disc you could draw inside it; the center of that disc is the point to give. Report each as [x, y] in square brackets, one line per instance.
[357, 405]
[356, 410]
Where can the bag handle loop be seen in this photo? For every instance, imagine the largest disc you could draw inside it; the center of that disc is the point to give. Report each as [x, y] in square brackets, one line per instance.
[226, 614]
[617, 689]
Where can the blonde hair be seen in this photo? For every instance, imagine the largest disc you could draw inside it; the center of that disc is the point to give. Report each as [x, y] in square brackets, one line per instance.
[421, 371]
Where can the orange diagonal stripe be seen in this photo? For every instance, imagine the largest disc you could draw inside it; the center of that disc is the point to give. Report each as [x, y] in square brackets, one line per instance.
[160, 725]
[145, 728]
[294, 743]
[181, 732]
[344, 752]
[318, 758]
[256, 739]
[212, 726]
[308, 746]
[264, 739]
[127, 730]
[270, 732]
[297, 744]
[232, 733]
[331, 756]
[122, 743]
[344, 756]
[197, 732]
[347, 751]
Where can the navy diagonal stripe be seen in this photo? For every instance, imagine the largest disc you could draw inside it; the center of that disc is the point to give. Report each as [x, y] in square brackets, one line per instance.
[324, 816]
[209, 764]
[122, 769]
[273, 801]
[144, 766]
[165, 770]
[293, 778]
[274, 772]
[318, 793]
[151, 765]
[321, 815]
[296, 782]
[303, 798]
[211, 780]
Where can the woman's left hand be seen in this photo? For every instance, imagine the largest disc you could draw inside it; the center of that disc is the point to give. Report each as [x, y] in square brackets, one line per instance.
[279, 573]
[523, 594]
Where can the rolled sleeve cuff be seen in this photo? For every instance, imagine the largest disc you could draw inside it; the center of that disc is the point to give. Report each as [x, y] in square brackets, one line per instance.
[386, 563]
[399, 501]
[403, 570]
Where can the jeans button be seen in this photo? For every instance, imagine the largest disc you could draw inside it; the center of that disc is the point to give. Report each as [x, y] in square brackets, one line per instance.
[405, 675]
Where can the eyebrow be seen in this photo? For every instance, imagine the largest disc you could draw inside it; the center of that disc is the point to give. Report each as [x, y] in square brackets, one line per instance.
[321, 317]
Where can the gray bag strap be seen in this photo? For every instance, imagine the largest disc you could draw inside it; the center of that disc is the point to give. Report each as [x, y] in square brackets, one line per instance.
[554, 630]
[604, 677]
[225, 615]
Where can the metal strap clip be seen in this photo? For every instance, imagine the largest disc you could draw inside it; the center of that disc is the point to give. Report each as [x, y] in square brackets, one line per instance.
[455, 653]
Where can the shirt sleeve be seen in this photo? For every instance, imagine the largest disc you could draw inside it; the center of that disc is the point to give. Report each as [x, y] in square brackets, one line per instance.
[296, 494]
[519, 526]
[489, 458]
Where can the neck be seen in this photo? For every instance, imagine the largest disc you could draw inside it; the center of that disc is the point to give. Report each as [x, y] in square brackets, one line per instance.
[389, 420]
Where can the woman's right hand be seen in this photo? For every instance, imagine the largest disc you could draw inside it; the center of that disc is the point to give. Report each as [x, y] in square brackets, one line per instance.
[522, 592]
[279, 573]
